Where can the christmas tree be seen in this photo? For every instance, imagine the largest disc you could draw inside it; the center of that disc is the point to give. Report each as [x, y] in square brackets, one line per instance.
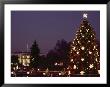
[84, 51]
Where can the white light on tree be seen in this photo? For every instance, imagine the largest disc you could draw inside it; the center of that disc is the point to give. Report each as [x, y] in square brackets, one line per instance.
[78, 41]
[27, 72]
[73, 48]
[82, 59]
[91, 66]
[16, 67]
[85, 15]
[82, 26]
[71, 60]
[44, 73]
[69, 72]
[74, 66]
[96, 59]
[82, 35]
[59, 74]
[97, 53]
[94, 47]
[82, 47]
[77, 52]
[56, 64]
[82, 72]
[90, 52]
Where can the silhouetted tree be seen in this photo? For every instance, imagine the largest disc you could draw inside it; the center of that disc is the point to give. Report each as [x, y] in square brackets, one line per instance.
[51, 58]
[35, 51]
[14, 59]
[58, 55]
[62, 49]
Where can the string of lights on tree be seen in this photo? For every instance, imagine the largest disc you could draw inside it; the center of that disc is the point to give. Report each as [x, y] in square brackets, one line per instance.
[84, 52]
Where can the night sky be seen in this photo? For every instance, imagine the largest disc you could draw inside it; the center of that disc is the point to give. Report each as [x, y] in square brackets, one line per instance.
[46, 27]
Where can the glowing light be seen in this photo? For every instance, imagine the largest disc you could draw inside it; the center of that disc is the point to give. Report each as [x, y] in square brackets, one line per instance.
[97, 53]
[78, 41]
[98, 71]
[87, 30]
[80, 30]
[94, 47]
[73, 48]
[96, 59]
[28, 56]
[82, 72]
[27, 72]
[90, 52]
[69, 72]
[71, 60]
[77, 52]
[82, 26]
[16, 67]
[56, 64]
[74, 66]
[82, 59]
[59, 73]
[82, 35]
[91, 66]
[60, 64]
[44, 74]
[68, 68]
[38, 69]
[12, 72]
[85, 15]
[82, 47]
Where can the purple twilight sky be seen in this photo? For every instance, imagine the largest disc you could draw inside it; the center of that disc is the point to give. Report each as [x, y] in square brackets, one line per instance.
[46, 27]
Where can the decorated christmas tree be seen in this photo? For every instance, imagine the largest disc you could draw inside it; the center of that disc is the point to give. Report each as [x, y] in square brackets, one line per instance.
[84, 51]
